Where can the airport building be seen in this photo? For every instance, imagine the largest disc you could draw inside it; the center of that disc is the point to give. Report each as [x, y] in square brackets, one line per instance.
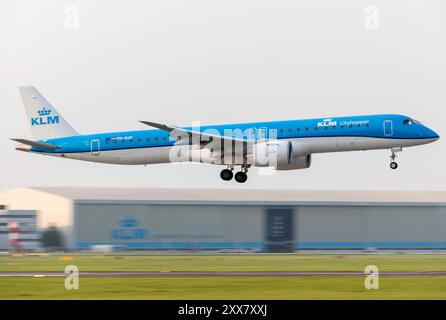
[238, 219]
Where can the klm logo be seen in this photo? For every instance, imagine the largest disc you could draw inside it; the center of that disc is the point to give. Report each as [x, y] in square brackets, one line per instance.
[129, 230]
[44, 118]
[327, 123]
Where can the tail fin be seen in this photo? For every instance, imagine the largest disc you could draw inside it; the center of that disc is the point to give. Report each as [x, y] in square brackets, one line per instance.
[45, 121]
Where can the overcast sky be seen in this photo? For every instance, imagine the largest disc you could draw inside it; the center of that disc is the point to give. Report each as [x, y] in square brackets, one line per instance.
[105, 65]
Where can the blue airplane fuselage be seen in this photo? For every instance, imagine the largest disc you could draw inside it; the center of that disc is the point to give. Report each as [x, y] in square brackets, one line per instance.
[388, 127]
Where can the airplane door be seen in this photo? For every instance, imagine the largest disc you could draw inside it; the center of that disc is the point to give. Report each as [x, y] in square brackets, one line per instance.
[95, 147]
[388, 128]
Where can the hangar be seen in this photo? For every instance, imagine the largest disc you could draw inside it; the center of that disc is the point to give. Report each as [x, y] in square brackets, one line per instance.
[238, 219]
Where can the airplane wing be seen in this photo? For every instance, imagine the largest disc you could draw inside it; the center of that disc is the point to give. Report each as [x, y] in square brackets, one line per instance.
[199, 136]
[37, 144]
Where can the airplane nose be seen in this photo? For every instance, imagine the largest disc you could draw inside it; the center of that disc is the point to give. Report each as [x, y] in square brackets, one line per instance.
[433, 135]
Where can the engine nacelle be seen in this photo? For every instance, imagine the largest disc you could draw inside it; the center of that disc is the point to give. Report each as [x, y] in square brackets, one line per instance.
[299, 163]
[282, 155]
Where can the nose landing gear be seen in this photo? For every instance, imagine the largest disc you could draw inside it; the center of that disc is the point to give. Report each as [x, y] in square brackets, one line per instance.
[393, 164]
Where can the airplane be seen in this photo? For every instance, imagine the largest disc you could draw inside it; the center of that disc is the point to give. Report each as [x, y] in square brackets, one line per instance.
[281, 145]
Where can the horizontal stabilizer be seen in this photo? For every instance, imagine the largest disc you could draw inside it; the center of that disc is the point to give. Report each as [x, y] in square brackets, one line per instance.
[37, 144]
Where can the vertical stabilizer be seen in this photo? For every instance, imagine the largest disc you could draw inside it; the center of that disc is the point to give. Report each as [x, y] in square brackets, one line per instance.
[45, 121]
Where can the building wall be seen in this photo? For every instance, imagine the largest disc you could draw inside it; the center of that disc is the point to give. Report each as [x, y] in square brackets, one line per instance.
[315, 227]
[371, 227]
[163, 226]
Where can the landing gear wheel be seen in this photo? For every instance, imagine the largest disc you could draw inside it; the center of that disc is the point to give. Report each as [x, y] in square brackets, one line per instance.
[241, 177]
[226, 175]
[393, 164]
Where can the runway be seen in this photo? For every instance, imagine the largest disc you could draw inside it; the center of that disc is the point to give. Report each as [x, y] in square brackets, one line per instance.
[167, 274]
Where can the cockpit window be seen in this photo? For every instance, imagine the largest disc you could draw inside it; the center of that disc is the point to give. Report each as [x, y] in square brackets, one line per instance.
[410, 121]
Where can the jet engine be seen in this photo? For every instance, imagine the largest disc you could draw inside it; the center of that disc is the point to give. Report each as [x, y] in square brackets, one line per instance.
[282, 155]
[298, 163]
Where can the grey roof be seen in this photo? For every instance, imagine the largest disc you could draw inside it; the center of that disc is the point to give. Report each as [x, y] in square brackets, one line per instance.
[247, 196]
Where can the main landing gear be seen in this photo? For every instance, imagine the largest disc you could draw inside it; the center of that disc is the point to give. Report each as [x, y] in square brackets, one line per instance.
[393, 164]
[227, 174]
[240, 177]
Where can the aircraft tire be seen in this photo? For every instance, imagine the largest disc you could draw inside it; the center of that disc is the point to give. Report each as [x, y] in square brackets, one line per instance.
[393, 165]
[241, 177]
[226, 175]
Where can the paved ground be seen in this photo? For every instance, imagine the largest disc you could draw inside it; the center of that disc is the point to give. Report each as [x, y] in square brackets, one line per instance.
[217, 274]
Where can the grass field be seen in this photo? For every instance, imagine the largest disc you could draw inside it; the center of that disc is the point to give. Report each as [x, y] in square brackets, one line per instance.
[314, 287]
[223, 288]
[221, 262]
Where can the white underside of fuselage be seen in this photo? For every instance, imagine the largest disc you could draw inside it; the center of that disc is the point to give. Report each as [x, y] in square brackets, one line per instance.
[159, 155]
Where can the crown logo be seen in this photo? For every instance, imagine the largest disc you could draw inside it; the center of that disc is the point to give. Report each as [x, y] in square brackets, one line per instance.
[44, 112]
[327, 120]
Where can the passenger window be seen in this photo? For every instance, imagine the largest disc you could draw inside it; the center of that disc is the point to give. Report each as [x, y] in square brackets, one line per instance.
[148, 139]
[334, 127]
[306, 129]
[298, 129]
[281, 130]
[315, 128]
[359, 125]
[156, 139]
[342, 127]
[139, 140]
